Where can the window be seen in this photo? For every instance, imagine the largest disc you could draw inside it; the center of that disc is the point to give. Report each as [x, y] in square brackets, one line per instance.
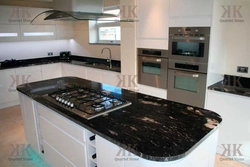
[108, 29]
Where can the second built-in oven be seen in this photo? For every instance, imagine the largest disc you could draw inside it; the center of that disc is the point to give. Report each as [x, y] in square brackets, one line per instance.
[152, 67]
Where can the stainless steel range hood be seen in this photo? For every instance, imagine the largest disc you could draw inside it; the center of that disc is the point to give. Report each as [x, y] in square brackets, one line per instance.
[70, 10]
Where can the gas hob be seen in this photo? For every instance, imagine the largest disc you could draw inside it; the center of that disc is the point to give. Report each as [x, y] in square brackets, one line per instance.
[87, 103]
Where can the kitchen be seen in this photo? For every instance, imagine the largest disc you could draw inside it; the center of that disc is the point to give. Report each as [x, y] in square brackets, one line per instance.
[142, 36]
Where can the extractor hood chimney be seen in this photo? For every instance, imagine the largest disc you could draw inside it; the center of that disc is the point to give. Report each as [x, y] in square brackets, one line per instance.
[73, 10]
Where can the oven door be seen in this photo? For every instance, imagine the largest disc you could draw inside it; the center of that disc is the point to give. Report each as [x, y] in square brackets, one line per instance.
[186, 48]
[187, 87]
[152, 71]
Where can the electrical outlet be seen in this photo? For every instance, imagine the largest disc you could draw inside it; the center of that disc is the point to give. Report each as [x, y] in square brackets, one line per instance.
[50, 53]
[242, 69]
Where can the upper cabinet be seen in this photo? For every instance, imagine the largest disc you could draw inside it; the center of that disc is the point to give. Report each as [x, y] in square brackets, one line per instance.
[15, 25]
[152, 25]
[190, 13]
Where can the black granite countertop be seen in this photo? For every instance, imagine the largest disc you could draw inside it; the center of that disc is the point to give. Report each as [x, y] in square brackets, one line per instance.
[233, 85]
[161, 130]
[76, 60]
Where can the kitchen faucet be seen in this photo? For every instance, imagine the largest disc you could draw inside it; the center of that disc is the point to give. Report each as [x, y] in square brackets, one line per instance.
[110, 58]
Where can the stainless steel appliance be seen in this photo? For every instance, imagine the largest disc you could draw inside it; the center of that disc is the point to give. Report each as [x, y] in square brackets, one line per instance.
[189, 44]
[152, 67]
[187, 69]
[87, 103]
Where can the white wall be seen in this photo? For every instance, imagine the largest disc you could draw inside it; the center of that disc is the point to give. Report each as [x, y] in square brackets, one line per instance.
[31, 49]
[80, 45]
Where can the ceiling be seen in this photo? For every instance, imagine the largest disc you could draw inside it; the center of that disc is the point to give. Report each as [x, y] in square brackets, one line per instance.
[44, 3]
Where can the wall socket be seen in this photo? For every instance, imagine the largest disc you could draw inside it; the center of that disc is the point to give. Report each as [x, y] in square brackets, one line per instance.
[50, 53]
[242, 69]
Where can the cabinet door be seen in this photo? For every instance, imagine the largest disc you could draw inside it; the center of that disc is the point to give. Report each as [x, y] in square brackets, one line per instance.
[8, 84]
[190, 13]
[73, 70]
[28, 74]
[235, 127]
[66, 146]
[152, 28]
[50, 71]
[29, 116]
[110, 78]
[106, 153]
[93, 74]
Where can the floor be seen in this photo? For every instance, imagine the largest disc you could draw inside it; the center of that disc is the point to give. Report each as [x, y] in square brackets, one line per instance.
[12, 135]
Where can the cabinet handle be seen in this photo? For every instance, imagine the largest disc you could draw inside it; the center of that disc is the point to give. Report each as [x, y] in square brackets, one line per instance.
[92, 138]
[94, 156]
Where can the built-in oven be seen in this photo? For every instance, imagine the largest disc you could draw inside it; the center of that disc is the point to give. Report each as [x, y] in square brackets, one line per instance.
[152, 67]
[189, 44]
[187, 82]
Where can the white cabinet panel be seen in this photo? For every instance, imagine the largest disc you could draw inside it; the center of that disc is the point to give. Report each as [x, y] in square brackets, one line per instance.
[63, 143]
[50, 71]
[8, 84]
[68, 126]
[235, 127]
[110, 78]
[148, 90]
[152, 28]
[93, 74]
[29, 116]
[73, 70]
[107, 153]
[190, 13]
[54, 158]
[12, 31]
[9, 15]
[28, 74]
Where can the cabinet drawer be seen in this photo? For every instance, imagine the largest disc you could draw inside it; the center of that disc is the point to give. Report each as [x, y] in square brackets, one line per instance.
[24, 70]
[54, 158]
[62, 123]
[63, 143]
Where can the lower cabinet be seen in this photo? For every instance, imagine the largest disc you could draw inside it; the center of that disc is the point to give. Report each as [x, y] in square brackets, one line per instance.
[73, 70]
[62, 138]
[235, 127]
[8, 93]
[50, 71]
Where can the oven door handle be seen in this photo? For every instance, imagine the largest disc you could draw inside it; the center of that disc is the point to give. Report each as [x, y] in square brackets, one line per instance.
[190, 38]
[187, 74]
[151, 60]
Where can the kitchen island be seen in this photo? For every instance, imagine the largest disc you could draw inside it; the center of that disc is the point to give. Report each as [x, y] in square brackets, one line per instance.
[149, 132]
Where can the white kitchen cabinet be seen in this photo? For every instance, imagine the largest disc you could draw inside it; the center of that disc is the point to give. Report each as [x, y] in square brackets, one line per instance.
[93, 74]
[235, 127]
[110, 78]
[50, 71]
[190, 13]
[73, 70]
[152, 27]
[63, 138]
[28, 74]
[107, 153]
[8, 93]
[29, 115]
[157, 92]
